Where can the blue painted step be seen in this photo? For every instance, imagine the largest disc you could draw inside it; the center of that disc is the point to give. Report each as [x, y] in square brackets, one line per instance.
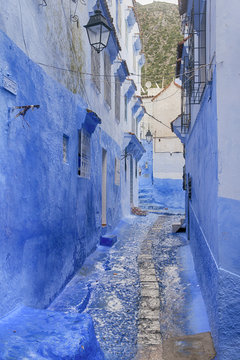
[29, 333]
[108, 240]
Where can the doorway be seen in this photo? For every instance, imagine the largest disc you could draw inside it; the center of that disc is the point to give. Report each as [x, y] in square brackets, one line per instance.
[131, 180]
[104, 187]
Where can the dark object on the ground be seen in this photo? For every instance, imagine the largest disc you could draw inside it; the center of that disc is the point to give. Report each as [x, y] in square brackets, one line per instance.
[199, 346]
[138, 211]
[108, 240]
[177, 228]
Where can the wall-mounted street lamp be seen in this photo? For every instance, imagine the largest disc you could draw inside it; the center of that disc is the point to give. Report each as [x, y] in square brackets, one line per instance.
[98, 30]
[149, 136]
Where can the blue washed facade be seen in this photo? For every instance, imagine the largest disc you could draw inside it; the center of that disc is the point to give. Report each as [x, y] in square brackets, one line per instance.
[58, 224]
[64, 181]
[208, 129]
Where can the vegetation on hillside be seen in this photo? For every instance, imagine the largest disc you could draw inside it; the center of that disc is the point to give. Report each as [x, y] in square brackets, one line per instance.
[160, 33]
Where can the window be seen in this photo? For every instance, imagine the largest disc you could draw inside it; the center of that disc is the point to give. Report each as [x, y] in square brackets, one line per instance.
[107, 78]
[126, 108]
[136, 168]
[117, 172]
[65, 148]
[84, 154]
[95, 68]
[133, 124]
[118, 15]
[197, 52]
[117, 99]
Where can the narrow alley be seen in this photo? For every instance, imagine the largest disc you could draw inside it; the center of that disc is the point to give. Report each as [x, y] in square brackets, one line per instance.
[119, 180]
[142, 294]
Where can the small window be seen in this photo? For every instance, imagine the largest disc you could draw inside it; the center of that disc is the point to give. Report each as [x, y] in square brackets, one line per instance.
[136, 169]
[84, 154]
[117, 99]
[65, 148]
[117, 172]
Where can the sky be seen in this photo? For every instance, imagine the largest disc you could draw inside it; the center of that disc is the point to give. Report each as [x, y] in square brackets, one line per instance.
[144, 2]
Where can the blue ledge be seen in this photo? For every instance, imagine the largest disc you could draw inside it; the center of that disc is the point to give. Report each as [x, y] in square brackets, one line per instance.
[122, 71]
[131, 19]
[137, 105]
[91, 121]
[141, 61]
[133, 146]
[137, 44]
[29, 333]
[176, 129]
[108, 240]
[131, 90]
[140, 115]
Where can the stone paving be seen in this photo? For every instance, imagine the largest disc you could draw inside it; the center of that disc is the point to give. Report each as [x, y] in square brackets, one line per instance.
[143, 295]
[149, 335]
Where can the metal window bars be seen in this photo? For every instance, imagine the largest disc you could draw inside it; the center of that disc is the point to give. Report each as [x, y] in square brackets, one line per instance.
[197, 51]
[195, 75]
[185, 97]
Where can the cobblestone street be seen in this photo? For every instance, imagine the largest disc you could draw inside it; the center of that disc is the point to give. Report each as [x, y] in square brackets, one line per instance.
[142, 294]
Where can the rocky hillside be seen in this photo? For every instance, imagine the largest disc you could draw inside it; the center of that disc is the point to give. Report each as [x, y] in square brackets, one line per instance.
[160, 32]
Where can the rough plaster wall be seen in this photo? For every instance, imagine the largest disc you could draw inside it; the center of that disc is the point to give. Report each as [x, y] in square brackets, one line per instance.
[146, 165]
[201, 164]
[47, 36]
[168, 165]
[50, 217]
[166, 107]
[228, 88]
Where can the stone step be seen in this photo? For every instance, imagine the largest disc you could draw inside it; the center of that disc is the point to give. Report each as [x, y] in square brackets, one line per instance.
[28, 333]
[188, 347]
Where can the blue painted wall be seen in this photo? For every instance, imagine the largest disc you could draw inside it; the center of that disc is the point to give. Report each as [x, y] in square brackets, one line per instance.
[169, 194]
[50, 218]
[146, 165]
[162, 193]
[213, 230]
[201, 164]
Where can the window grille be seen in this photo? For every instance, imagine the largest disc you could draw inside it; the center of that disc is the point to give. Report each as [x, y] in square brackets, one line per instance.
[185, 101]
[95, 68]
[184, 178]
[107, 78]
[197, 51]
[117, 99]
[84, 154]
[189, 187]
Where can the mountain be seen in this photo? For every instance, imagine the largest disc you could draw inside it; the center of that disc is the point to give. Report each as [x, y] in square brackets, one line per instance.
[160, 33]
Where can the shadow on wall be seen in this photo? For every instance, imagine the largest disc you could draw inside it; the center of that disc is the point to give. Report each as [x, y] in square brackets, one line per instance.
[168, 193]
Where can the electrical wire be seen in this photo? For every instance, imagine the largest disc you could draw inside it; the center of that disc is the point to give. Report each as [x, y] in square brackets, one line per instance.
[157, 120]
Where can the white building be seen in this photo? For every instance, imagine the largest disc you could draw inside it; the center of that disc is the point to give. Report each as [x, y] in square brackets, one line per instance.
[161, 109]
